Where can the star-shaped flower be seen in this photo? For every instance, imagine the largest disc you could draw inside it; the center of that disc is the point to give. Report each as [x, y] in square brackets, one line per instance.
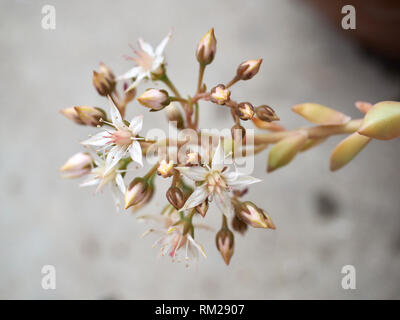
[148, 61]
[216, 181]
[122, 140]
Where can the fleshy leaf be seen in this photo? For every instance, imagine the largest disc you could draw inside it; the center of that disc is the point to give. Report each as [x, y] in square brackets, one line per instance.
[346, 150]
[319, 114]
[382, 121]
[311, 143]
[285, 150]
[363, 106]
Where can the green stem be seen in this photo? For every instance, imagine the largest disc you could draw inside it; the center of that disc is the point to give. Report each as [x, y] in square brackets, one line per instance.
[202, 67]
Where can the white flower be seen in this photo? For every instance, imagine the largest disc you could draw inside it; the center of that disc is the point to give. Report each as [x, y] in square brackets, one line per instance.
[148, 61]
[216, 182]
[173, 242]
[100, 176]
[122, 140]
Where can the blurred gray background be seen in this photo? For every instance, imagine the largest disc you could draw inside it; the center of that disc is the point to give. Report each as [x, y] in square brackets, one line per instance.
[324, 220]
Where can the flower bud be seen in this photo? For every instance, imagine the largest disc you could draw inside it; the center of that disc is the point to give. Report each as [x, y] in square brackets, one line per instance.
[248, 69]
[146, 199]
[266, 113]
[254, 216]
[174, 115]
[155, 99]
[165, 169]
[192, 159]
[220, 95]
[136, 192]
[90, 115]
[245, 111]
[129, 94]
[238, 225]
[71, 114]
[202, 208]
[77, 166]
[175, 197]
[206, 48]
[225, 241]
[104, 80]
[238, 133]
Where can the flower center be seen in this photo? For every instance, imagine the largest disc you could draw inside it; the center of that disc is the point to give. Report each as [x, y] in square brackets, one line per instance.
[143, 59]
[216, 183]
[122, 137]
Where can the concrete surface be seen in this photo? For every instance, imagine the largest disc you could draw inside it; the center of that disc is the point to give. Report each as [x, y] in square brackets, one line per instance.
[324, 220]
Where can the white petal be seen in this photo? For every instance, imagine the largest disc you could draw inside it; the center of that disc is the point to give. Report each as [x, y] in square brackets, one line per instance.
[90, 182]
[146, 47]
[120, 183]
[224, 203]
[136, 124]
[199, 195]
[197, 246]
[160, 48]
[116, 196]
[133, 73]
[114, 155]
[237, 179]
[138, 79]
[116, 116]
[194, 173]
[135, 152]
[99, 139]
[158, 61]
[218, 158]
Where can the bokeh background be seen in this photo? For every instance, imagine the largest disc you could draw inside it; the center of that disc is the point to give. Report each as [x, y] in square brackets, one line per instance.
[324, 220]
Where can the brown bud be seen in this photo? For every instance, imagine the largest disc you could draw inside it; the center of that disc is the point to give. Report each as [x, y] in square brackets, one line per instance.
[238, 133]
[104, 80]
[206, 48]
[248, 69]
[266, 113]
[136, 192]
[238, 225]
[250, 214]
[146, 198]
[202, 208]
[175, 197]
[90, 116]
[225, 241]
[71, 114]
[220, 95]
[174, 115]
[245, 110]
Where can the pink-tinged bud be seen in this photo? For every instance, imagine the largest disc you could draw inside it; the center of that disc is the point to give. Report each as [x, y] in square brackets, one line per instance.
[146, 199]
[155, 99]
[220, 95]
[175, 197]
[207, 48]
[225, 241]
[238, 133]
[104, 80]
[245, 111]
[248, 69]
[165, 169]
[254, 216]
[129, 95]
[136, 192]
[238, 225]
[71, 114]
[77, 166]
[266, 113]
[90, 116]
[174, 115]
[202, 208]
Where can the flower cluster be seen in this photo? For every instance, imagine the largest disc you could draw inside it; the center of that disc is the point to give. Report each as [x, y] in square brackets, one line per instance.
[203, 171]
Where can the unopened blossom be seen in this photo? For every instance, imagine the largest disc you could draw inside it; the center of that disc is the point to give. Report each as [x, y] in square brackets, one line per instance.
[214, 182]
[100, 176]
[250, 214]
[206, 48]
[225, 242]
[77, 166]
[248, 69]
[148, 60]
[120, 141]
[245, 110]
[220, 95]
[155, 99]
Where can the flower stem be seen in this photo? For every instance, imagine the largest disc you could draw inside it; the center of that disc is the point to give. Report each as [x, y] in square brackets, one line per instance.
[202, 67]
